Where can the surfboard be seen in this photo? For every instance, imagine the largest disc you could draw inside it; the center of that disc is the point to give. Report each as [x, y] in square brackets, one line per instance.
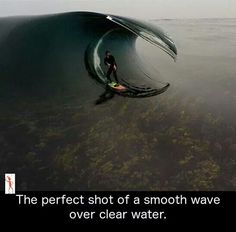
[117, 86]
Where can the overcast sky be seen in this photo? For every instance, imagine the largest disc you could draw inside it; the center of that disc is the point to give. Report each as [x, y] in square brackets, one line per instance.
[150, 9]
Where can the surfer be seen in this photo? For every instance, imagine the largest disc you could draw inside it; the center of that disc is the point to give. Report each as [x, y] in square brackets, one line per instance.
[110, 62]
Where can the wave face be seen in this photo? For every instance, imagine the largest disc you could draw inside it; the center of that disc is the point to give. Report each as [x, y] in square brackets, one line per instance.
[55, 54]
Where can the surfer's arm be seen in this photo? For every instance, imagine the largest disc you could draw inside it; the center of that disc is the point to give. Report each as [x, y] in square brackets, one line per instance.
[115, 65]
[105, 62]
[114, 61]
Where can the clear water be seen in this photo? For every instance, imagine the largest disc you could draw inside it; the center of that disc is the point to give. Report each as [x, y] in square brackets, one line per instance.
[205, 67]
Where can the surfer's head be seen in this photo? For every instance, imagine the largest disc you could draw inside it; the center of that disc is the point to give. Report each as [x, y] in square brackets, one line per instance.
[108, 53]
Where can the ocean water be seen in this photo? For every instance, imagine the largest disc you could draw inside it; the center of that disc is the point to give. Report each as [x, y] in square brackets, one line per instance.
[205, 68]
[54, 136]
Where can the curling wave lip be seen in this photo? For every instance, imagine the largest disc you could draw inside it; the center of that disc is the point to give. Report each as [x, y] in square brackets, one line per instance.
[152, 34]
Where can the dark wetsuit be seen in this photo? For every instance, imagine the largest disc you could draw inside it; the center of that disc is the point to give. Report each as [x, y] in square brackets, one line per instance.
[112, 62]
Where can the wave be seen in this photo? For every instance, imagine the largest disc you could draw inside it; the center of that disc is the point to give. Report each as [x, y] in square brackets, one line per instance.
[121, 40]
[55, 53]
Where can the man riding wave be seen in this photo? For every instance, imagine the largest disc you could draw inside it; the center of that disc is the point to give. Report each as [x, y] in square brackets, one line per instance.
[110, 62]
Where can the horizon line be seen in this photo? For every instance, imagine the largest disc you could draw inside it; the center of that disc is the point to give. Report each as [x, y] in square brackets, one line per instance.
[152, 19]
